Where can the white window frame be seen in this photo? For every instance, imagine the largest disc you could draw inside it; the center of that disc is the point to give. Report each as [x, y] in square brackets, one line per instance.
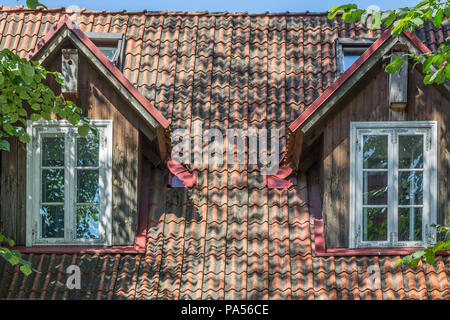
[63, 127]
[393, 129]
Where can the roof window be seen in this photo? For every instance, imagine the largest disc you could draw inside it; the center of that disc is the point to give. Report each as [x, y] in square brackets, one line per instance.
[111, 45]
[348, 50]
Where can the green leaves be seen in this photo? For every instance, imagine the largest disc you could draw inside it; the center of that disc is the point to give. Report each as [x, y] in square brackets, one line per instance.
[26, 270]
[336, 9]
[435, 65]
[13, 256]
[428, 254]
[438, 17]
[396, 65]
[33, 4]
[83, 130]
[74, 119]
[4, 145]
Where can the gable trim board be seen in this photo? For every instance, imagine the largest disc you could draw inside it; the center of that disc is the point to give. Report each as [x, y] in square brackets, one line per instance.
[304, 124]
[66, 29]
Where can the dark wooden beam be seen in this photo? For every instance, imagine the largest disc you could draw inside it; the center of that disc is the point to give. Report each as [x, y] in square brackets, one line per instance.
[162, 143]
[150, 155]
[295, 148]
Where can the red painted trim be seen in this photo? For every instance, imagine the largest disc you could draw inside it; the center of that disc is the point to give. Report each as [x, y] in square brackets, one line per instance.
[105, 61]
[374, 252]
[316, 207]
[131, 249]
[138, 246]
[320, 249]
[140, 237]
[419, 44]
[348, 73]
[319, 237]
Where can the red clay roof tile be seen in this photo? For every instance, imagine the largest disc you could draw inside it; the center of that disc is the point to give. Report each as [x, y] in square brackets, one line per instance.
[229, 236]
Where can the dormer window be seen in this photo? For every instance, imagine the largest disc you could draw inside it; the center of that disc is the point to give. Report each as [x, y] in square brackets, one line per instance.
[111, 45]
[348, 50]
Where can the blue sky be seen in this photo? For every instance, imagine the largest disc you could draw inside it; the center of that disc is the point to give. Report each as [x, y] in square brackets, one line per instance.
[252, 6]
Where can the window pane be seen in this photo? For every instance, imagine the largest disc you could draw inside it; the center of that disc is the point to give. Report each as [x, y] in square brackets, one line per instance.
[375, 187]
[410, 187]
[349, 60]
[410, 149]
[375, 155]
[410, 224]
[52, 218]
[109, 52]
[87, 186]
[87, 222]
[53, 185]
[375, 224]
[87, 151]
[53, 152]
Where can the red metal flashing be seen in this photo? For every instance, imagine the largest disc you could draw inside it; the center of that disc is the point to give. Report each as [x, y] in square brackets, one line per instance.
[277, 181]
[316, 208]
[105, 61]
[178, 170]
[348, 73]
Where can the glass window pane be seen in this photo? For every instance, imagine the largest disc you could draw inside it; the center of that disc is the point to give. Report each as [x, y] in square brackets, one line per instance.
[109, 52]
[87, 222]
[375, 154]
[87, 186]
[53, 152]
[410, 149]
[53, 185]
[87, 151]
[375, 187]
[410, 187]
[375, 226]
[349, 60]
[52, 218]
[410, 224]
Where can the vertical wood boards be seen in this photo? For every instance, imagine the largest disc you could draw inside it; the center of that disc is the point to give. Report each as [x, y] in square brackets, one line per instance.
[98, 101]
[369, 101]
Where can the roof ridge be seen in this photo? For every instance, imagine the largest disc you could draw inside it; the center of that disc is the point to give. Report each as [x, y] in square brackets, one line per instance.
[21, 8]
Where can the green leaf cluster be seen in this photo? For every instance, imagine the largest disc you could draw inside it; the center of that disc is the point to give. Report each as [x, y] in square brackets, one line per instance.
[428, 254]
[435, 65]
[24, 96]
[13, 256]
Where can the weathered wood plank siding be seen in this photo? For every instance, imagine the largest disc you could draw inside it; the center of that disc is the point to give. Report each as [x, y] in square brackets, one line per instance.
[369, 101]
[99, 101]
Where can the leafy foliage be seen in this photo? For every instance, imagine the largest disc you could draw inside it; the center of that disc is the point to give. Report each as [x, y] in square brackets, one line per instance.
[429, 252]
[13, 256]
[435, 64]
[25, 96]
[33, 4]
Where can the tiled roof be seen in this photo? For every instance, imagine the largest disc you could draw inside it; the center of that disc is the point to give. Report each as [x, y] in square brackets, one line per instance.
[229, 236]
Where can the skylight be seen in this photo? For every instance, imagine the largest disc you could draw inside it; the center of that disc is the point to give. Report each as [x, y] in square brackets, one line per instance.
[348, 50]
[110, 44]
